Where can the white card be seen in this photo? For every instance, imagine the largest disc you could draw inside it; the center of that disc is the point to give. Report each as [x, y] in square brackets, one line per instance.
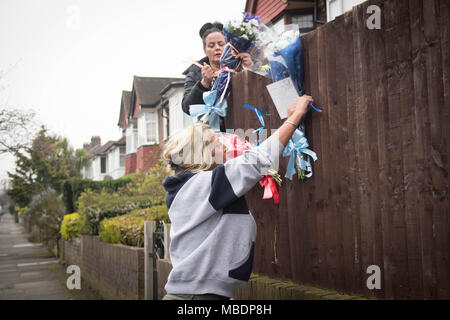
[283, 95]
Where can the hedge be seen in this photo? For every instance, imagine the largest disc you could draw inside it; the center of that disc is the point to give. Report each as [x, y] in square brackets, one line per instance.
[74, 187]
[93, 208]
[69, 226]
[128, 229]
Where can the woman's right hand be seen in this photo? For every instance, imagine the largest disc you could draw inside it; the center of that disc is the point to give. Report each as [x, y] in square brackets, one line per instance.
[207, 75]
[299, 108]
[295, 115]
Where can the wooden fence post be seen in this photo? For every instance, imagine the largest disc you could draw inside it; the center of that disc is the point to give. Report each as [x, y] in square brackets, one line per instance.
[149, 228]
[166, 241]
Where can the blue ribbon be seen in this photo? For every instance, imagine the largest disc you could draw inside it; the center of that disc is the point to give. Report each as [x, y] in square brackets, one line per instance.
[297, 145]
[260, 115]
[317, 109]
[248, 17]
[210, 109]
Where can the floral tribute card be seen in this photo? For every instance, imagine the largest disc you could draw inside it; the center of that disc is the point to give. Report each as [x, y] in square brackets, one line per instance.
[283, 95]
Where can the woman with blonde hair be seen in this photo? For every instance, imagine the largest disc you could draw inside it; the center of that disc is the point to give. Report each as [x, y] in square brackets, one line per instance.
[213, 233]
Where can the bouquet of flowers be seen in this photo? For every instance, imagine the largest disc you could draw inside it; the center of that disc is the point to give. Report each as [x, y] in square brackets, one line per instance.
[234, 146]
[284, 53]
[241, 37]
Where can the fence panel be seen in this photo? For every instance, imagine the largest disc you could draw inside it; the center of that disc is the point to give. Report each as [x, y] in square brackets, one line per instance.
[379, 192]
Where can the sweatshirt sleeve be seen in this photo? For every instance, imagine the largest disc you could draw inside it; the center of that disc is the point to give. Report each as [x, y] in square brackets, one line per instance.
[193, 91]
[232, 180]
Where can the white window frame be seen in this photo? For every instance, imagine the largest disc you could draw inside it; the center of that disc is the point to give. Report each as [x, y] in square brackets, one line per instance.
[151, 118]
[144, 136]
[131, 139]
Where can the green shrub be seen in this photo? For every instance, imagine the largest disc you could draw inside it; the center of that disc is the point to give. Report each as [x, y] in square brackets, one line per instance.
[128, 229]
[46, 210]
[94, 207]
[149, 183]
[69, 226]
[21, 211]
[74, 187]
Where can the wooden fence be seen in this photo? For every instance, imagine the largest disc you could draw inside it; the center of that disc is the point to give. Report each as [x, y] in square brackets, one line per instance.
[379, 192]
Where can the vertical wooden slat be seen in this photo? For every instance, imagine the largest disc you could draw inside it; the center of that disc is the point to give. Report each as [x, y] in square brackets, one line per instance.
[333, 145]
[372, 40]
[444, 26]
[344, 74]
[395, 56]
[361, 49]
[406, 187]
[381, 111]
[301, 235]
[149, 228]
[436, 149]
[321, 145]
[312, 88]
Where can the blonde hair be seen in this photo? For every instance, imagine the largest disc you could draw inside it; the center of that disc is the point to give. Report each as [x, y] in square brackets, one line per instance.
[190, 149]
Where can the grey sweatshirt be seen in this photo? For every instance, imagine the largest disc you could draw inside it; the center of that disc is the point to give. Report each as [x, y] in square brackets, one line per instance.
[213, 233]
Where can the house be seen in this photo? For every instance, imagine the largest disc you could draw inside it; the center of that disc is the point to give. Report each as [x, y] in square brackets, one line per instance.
[174, 119]
[308, 14]
[144, 123]
[107, 161]
[115, 158]
[91, 148]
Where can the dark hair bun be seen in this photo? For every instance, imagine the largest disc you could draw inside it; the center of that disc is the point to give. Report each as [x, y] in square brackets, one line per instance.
[218, 25]
[207, 26]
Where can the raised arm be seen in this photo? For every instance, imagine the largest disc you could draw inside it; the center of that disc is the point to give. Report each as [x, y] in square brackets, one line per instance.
[232, 180]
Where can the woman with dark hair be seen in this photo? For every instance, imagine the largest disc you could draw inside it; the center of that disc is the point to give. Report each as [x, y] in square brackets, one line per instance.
[199, 80]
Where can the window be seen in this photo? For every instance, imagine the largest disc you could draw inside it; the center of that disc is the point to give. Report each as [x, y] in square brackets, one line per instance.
[305, 22]
[131, 135]
[103, 164]
[151, 122]
[122, 156]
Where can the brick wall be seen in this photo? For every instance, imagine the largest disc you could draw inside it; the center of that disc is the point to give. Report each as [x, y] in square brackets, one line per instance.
[130, 163]
[146, 157]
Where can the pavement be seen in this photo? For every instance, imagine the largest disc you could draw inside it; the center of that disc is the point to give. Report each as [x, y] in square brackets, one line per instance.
[28, 271]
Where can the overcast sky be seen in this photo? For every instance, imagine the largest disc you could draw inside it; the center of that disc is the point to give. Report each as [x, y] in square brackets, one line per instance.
[70, 60]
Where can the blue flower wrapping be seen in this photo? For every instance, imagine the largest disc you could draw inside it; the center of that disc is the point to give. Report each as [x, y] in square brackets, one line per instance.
[290, 64]
[229, 60]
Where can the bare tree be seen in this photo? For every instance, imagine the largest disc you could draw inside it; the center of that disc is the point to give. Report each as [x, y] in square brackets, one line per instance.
[17, 127]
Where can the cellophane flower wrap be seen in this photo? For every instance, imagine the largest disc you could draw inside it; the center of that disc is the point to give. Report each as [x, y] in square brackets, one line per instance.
[234, 146]
[284, 53]
[241, 37]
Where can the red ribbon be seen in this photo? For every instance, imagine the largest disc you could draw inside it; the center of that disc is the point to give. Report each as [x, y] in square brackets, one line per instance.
[270, 188]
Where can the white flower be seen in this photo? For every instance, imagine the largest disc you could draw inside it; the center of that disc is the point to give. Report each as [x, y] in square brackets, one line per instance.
[265, 67]
[282, 44]
[287, 35]
[244, 36]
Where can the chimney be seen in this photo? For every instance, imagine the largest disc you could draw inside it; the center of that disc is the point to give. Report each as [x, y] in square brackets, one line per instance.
[96, 140]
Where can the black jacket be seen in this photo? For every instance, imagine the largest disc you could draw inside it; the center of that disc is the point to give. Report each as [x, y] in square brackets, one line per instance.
[193, 89]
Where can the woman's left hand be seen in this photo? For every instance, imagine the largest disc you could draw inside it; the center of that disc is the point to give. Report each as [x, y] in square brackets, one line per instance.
[246, 59]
